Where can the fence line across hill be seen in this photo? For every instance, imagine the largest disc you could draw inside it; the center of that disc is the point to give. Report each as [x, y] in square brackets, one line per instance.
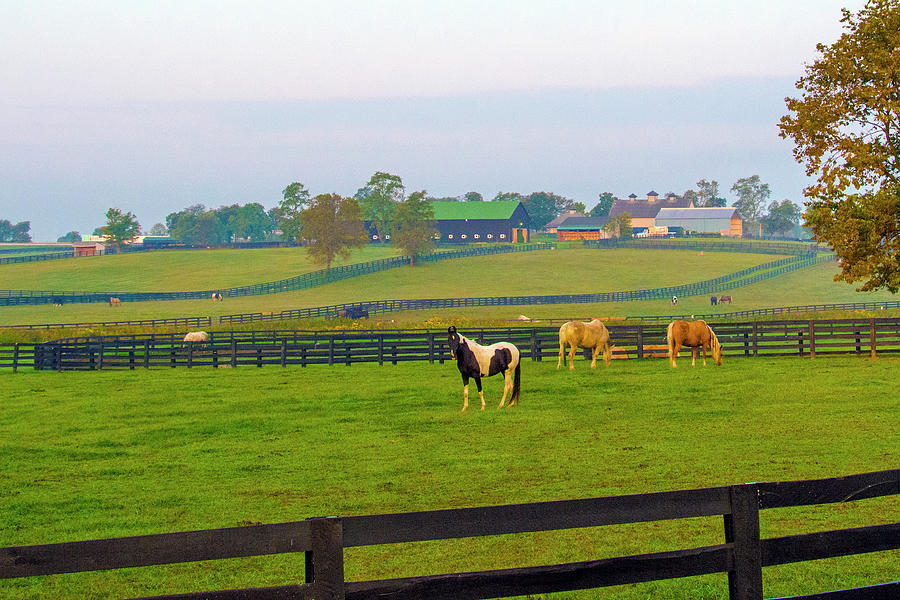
[741, 554]
[803, 338]
[300, 282]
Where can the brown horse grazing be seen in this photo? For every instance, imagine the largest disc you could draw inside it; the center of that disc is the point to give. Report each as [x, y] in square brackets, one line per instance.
[695, 334]
[725, 299]
[113, 301]
[576, 334]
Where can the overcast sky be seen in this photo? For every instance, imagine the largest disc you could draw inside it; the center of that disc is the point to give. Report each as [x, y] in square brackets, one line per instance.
[154, 106]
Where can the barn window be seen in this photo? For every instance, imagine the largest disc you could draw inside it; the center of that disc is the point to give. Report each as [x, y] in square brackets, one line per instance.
[502, 236]
[490, 236]
[450, 236]
[477, 236]
[387, 237]
[463, 236]
[375, 237]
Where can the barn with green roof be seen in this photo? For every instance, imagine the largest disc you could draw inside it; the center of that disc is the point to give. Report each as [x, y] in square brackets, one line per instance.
[468, 222]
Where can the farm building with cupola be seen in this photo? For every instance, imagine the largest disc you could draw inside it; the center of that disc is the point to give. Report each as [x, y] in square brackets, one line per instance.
[582, 228]
[467, 222]
[643, 211]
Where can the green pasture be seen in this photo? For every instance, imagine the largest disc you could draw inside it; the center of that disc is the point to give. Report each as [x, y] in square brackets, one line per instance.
[105, 454]
[172, 270]
[527, 273]
[574, 271]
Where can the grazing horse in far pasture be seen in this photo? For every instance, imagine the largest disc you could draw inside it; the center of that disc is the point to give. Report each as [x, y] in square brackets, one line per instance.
[113, 301]
[593, 336]
[694, 334]
[57, 301]
[354, 312]
[476, 361]
[196, 337]
[725, 299]
[216, 297]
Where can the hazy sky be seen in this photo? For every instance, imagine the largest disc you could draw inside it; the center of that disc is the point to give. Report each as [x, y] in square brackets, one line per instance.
[154, 106]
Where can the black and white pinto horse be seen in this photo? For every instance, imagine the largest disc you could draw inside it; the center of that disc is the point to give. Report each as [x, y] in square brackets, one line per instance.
[476, 361]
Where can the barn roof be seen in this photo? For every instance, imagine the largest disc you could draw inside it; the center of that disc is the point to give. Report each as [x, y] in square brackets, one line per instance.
[726, 212]
[561, 218]
[447, 211]
[645, 209]
[573, 223]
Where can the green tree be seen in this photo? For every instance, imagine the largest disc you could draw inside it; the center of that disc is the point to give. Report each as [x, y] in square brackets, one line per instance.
[752, 195]
[15, 233]
[781, 218]
[504, 196]
[378, 201]
[692, 196]
[543, 207]
[414, 234]
[620, 226]
[580, 207]
[72, 236]
[332, 225]
[120, 227]
[844, 126]
[604, 203]
[473, 197]
[708, 194]
[295, 198]
[158, 229]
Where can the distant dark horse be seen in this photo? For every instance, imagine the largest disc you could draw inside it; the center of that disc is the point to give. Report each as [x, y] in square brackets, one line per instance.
[57, 301]
[713, 300]
[476, 361]
[354, 312]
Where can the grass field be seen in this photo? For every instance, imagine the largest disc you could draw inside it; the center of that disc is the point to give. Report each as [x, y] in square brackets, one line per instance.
[531, 273]
[172, 270]
[102, 454]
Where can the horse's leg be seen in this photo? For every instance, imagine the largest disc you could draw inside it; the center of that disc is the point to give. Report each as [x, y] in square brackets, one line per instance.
[572, 349]
[594, 352]
[465, 393]
[507, 386]
[480, 393]
[693, 355]
[676, 348]
[703, 346]
[562, 351]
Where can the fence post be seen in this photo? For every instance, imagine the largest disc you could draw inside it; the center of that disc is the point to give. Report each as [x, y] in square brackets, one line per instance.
[283, 353]
[431, 347]
[190, 360]
[872, 341]
[742, 532]
[640, 341]
[812, 339]
[15, 357]
[233, 351]
[146, 354]
[325, 560]
[100, 357]
[755, 337]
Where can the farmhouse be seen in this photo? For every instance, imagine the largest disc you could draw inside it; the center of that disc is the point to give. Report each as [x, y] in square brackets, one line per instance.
[582, 228]
[643, 211]
[724, 220]
[467, 222]
[552, 225]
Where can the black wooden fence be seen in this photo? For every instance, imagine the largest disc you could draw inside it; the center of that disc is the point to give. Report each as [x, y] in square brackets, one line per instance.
[742, 553]
[300, 282]
[805, 338]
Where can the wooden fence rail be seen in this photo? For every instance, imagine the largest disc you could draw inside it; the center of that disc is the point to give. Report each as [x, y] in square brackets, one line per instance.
[803, 338]
[741, 555]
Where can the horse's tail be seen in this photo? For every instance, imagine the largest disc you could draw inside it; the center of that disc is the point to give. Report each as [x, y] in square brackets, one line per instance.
[514, 397]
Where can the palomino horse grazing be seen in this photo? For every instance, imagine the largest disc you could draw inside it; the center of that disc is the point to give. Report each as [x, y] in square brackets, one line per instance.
[576, 334]
[196, 337]
[115, 301]
[695, 334]
[216, 296]
[476, 361]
